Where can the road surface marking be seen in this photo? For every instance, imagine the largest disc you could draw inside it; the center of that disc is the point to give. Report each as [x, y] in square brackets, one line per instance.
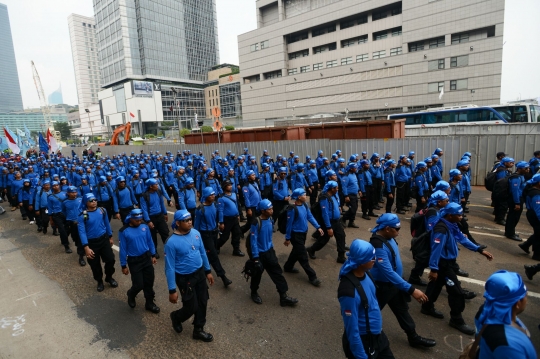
[488, 234]
[29, 295]
[479, 282]
[479, 205]
[115, 247]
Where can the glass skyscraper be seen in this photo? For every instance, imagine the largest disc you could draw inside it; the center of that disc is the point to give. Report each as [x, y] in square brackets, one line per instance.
[10, 90]
[167, 40]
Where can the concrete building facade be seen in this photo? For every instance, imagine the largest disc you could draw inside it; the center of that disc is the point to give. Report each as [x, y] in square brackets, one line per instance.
[328, 56]
[10, 91]
[222, 91]
[82, 34]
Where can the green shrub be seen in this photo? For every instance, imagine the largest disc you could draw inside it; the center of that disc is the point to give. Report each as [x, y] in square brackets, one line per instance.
[229, 128]
[184, 132]
[207, 129]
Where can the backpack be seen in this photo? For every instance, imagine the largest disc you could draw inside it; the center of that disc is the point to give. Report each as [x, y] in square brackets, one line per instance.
[418, 222]
[414, 187]
[248, 240]
[282, 217]
[316, 210]
[421, 247]
[490, 180]
[501, 191]
[526, 192]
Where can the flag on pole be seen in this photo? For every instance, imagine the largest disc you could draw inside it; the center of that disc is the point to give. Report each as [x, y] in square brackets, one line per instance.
[3, 144]
[11, 142]
[20, 133]
[43, 146]
[29, 138]
[51, 141]
[441, 94]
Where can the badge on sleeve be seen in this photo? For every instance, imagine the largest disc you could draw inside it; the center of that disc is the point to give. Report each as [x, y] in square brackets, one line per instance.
[348, 313]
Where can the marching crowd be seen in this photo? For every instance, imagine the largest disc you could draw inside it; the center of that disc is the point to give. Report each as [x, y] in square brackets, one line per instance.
[226, 197]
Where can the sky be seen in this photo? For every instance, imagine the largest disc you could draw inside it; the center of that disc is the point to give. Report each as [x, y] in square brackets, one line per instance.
[40, 33]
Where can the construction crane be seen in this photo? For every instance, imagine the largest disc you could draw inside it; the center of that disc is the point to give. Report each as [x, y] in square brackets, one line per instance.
[43, 100]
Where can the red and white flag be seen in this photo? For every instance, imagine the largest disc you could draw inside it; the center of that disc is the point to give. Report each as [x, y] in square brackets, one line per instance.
[51, 141]
[132, 115]
[12, 144]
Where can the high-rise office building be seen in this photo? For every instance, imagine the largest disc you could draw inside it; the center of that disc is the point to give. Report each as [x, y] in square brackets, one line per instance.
[156, 40]
[56, 97]
[310, 57]
[82, 33]
[10, 89]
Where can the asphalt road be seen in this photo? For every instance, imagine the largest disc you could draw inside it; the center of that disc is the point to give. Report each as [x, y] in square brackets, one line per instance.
[49, 307]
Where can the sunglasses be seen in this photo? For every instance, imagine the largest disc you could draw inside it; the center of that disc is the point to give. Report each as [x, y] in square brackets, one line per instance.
[396, 228]
[92, 200]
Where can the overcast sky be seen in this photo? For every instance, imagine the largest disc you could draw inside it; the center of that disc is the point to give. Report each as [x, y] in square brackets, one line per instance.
[40, 33]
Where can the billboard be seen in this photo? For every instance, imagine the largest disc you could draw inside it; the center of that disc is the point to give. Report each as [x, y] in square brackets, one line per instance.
[142, 88]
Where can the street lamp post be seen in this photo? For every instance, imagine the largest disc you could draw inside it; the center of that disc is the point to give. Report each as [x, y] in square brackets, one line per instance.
[90, 122]
[174, 104]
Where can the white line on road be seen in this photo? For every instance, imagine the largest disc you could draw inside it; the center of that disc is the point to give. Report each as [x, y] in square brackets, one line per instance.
[27, 296]
[479, 282]
[487, 234]
[10, 272]
[115, 247]
[169, 212]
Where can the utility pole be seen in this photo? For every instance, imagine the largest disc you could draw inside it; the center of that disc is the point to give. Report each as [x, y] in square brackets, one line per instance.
[90, 123]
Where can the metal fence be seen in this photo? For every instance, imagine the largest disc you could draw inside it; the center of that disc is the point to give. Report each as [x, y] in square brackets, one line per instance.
[469, 130]
[482, 148]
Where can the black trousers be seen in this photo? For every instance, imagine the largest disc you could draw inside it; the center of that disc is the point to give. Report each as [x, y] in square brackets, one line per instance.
[377, 188]
[339, 234]
[313, 194]
[160, 226]
[456, 300]
[390, 201]
[353, 208]
[102, 252]
[367, 200]
[26, 212]
[501, 207]
[419, 205]
[418, 270]
[533, 240]
[387, 293]
[142, 276]
[108, 205]
[194, 293]
[278, 207]
[379, 344]
[124, 212]
[59, 220]
[402, 196]
[299, 254]
[512, 219]
[210, 239]
[249, 220]
[270, 263]
[42, 219]
[232, 226]
[73, 230]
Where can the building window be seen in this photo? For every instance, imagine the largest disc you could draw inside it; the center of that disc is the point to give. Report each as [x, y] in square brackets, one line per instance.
[324, 48]
[254, 78]
[272, 75]
[347, 24]
[458, 84]
[379, 54]
[348, 43]
[380, 35]
[332, 63]
[379, 15]
[395, 51]
[441, 64]
[297, 37]
[324, 30]
[460, 38]
[361, 58]
[318, 66]
[438, 42]
[298, 54]
[254, 47]
[459, 61]
[292, 71]
[305, 69]
[346, 61]
[396, 31]
[435, 87]
[416, 46]
[396, 11]
[264, 44]
[362, 39]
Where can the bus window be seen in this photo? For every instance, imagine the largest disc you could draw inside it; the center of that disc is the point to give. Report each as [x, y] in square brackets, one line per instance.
[520, 114]
[505, 112]
[535, 113]
[429, 119]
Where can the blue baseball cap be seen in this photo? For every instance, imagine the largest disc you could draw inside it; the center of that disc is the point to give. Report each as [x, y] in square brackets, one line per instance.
[522, 164]
[298, 192]
[264, 205]
[72, 189]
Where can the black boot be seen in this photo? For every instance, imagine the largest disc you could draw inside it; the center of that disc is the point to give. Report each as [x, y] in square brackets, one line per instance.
[131, 300]
[530, 271]
[176, 324]
[352, 224]
[341, 258]
[255, 297]
[460, 325]
[226, 281]
[54, 232]
[151, 306]
[68, 250]
[200, 334]
[311, 253]
[417, 341]
[417, 281]
[285, 300]
[82, 262]
[44, 230]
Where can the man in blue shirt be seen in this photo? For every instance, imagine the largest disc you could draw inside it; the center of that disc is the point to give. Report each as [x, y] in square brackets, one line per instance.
[261, 251]
[297, 226]
[137, 252]
[56, 217]
[71, 208]
[104, 194]
[206, 222]
[40, 206]
[330, 211]
[388, 275]
[154, 212]
[96, 238]
[501, 333]
[421, 185]
[444, 251]
[281, 195]
[351, 192]
[125, 199]
[504, 169]
[252, 197]
[516, 184]
[26, 198]
[229, 219]
[532, 201]
[363, 336]
[403, 185]
[186, 266]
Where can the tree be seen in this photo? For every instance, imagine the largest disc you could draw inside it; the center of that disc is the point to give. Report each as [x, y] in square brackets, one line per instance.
[184, 132]
[207, 129]
[64, 128]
